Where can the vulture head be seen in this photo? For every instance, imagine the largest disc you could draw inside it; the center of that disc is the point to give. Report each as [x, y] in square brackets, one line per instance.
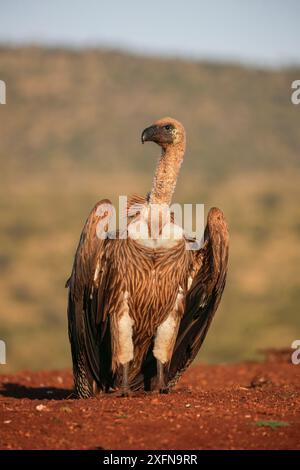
[165, 132]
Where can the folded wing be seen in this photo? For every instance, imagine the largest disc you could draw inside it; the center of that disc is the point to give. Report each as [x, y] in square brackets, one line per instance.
[87, 319]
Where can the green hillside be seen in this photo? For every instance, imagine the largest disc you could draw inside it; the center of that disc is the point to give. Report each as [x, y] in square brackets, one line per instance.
[70, 135]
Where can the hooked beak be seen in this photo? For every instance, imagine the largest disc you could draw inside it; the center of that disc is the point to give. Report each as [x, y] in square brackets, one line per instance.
[148, 134]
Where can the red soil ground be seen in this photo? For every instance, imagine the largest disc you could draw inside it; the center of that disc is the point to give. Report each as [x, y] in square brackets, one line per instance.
[244, 406]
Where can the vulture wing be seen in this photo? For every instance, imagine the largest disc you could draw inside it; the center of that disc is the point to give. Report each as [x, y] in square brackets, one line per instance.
[204, 296]
[87, 319]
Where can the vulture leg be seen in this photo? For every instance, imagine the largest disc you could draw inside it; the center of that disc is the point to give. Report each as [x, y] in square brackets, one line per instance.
[161, 385]
[125, 390]
[122, 342]
[164, 342]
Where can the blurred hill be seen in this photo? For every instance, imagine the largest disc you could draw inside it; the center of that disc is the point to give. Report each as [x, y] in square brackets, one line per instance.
[70, 135]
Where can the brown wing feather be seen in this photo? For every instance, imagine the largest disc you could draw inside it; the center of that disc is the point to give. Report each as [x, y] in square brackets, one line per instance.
[86, 322]
[204, 295]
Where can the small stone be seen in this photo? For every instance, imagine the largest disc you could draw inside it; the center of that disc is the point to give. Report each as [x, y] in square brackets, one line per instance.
[259, 381]
[41, 407]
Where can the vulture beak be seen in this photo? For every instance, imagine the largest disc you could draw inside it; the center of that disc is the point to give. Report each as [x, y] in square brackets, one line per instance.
[148, 133]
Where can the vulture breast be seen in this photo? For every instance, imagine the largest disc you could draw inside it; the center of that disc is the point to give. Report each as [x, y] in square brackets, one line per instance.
[152, 278]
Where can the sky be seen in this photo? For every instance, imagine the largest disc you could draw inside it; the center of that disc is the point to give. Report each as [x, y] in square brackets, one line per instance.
[265, 32]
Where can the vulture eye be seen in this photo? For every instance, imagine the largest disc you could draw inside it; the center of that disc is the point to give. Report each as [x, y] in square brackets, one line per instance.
[168, 127]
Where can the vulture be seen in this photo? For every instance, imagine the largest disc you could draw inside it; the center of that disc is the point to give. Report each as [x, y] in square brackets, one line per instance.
[140, 305]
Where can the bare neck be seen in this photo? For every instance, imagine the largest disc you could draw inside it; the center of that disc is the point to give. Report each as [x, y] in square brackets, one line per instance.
[166, 174]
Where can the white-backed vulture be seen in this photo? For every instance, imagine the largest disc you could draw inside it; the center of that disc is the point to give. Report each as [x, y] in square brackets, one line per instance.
[140, 307]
